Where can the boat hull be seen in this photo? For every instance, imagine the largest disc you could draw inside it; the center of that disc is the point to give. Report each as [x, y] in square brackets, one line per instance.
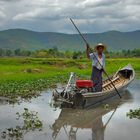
[89, 101]
[97, 98]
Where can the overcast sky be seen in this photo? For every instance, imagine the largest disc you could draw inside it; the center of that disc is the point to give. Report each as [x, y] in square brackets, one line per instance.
[52, 15]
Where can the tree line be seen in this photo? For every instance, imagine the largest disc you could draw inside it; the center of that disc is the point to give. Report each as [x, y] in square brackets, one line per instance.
[55, 53]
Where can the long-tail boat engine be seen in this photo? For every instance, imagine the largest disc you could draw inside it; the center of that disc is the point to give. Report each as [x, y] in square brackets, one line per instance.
[73, 91]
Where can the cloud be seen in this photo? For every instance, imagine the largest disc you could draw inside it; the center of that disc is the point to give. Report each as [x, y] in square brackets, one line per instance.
[27, 15]
[52, 15]
[8, 0]
[2, 15]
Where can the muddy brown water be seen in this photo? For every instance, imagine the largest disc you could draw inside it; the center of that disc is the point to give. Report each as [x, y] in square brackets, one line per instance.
[96, 123]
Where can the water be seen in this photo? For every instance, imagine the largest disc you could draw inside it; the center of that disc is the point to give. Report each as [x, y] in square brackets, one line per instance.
[95, 123]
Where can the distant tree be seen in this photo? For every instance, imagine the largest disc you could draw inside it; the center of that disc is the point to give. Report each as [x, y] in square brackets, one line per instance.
[8, 53]
[25, 53]
[68, 54]
[40, 54]
[108, 55]
[51, 51]
[2, 52]
[77, 55]
[136, 52]
[17, 52]
[55, 48]
[54, 52]
[74, 55]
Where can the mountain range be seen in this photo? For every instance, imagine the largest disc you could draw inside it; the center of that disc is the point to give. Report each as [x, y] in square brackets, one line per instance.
[31, 40]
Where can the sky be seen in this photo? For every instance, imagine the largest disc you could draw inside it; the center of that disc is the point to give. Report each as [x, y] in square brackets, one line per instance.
[53, 15]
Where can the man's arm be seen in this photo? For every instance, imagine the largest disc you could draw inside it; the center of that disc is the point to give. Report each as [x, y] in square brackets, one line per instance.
[88, 51]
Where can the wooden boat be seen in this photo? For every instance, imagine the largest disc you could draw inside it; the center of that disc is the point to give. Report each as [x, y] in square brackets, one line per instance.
[85, 96]
[71, 120]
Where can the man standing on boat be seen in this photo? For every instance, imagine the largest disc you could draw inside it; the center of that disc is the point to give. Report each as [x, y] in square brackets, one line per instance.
[97, 69]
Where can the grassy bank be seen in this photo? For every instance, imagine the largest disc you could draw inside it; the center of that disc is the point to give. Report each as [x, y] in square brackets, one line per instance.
[24, 76]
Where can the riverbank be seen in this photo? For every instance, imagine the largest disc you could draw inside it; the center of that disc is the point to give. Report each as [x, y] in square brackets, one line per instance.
[23, 77]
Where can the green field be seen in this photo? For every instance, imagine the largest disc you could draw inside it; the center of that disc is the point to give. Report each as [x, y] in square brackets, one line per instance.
[23, 77]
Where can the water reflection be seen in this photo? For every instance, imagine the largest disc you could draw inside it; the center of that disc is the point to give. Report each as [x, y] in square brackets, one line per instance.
[96, 123]
[70, 120]
[3, 101]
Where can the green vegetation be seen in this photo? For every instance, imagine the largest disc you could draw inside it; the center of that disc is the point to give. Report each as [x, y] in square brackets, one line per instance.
[25, 77]
[125, 53]
[134, 113]
[31, 122]
[55, 53]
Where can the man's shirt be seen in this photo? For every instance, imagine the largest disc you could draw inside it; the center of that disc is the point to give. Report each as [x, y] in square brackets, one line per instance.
[95, 62]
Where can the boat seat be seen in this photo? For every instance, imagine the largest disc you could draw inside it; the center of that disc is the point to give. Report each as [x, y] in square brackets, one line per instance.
[115, 79]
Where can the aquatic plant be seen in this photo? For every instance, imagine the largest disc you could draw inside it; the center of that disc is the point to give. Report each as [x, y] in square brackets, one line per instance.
[106, 106]
[134, 113]
[31, 122]
[27, 89]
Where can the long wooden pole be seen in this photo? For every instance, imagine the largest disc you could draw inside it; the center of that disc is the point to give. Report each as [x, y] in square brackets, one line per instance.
[96, 58]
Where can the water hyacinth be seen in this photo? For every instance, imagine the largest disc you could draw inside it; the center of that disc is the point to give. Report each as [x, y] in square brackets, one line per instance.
[31, 122]
[27, 89]
[134, 113]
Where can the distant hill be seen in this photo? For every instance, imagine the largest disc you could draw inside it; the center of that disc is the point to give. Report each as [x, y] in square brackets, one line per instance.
[30, 40]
